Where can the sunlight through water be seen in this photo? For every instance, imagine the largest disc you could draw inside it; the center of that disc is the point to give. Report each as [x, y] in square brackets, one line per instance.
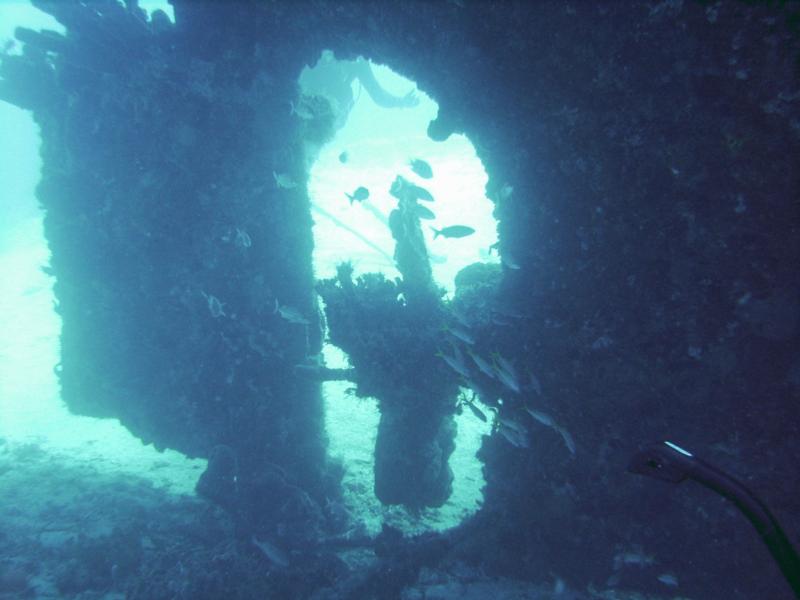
[375, 146]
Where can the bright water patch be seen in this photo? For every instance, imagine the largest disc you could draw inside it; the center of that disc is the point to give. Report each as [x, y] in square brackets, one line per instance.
[31, 409]
[33, 416]
[377, 144]
[21, 13]
[153, 5]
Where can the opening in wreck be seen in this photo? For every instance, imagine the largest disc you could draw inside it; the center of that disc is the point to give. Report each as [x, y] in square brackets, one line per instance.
[373, 147]
[380, 122]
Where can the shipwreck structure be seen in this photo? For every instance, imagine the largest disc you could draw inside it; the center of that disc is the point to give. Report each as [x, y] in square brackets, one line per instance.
[643, 162]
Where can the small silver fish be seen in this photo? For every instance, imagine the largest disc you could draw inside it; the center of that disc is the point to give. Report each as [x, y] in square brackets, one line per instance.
[453, 231]
[505, 373]
[360, 194]
[513, 433]
[272, 552]
[215, 307]
[284, 180]
[461, 334]
[420, 193]
[302, 110]
[512, 437]
[421, 168]
[455, 363]
[668, 579]
[543, 418]
[513, 424]
[509, 313]
[504, 364]
[548, 421]
[423, 212]
[482, 365]
[509, 261]
[507, 380]
[460, 316]
[638, 559]
[291, 314]
[344, 157]
[569, 442]
[242, 239]
[501, 321]
[403, 189]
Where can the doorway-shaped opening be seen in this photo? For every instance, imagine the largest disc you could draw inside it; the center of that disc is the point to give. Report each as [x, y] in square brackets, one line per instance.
[380, 121]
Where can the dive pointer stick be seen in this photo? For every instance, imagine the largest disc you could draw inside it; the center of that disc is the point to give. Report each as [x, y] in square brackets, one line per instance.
[669, 462]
